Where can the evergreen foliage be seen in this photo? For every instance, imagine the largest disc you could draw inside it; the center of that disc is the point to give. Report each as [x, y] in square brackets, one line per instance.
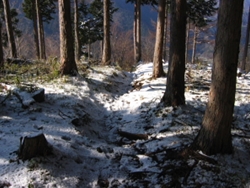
[47, 8]
[14, 19]
[144, 2]
[198, 11]
[91, 21]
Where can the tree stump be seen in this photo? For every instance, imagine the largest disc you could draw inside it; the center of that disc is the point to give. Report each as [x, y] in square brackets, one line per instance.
[33, 146]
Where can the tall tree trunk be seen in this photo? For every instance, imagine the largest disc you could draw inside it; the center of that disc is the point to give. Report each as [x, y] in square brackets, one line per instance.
[35, 28]
[106, 55]
[9, 28]
[77, 40]
[194, 44]
[244, 56]
[187, 41]
[165, 33]
[1, 48]
[135, 34]
[215, 134]
[175, 88]
[158, 51]
[137, 31]
[40, 31]
[42, 40]
[67, 56]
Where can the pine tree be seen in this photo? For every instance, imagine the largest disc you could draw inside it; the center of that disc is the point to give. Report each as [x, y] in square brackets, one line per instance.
[91, 21]
[39, 14]
[4, 39]
[198, 13]
[9, 28]
[137, 25]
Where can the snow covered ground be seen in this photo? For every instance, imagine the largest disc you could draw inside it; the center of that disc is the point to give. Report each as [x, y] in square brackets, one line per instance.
[91, 151]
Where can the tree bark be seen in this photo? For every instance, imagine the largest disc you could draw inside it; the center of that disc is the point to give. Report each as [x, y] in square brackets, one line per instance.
[106, 54]
[215, 134]
[40, 31]
[194, 44]
[137, 31]
[35, 29]
[244, 56]
[158, 51]
[67, 57]
[175, 88]
[77, 40]
[165, 33]
[9, 28]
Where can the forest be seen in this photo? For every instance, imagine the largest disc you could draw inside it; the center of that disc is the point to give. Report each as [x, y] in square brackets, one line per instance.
[99, 103]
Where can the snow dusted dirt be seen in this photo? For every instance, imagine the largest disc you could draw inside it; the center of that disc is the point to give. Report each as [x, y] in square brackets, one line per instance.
[87, 120]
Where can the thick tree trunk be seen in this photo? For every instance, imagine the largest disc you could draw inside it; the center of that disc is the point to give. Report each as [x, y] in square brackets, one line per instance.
[175, 89]
[106, 54]
[194, 44]
[35, 29]
[158, 51]
[77, 40]
[67, 57]
[244, 56]
[215, 134]
[9, 29]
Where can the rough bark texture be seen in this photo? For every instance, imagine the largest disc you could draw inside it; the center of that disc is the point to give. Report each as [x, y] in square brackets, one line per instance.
[174, 93]
[77, 40]
[67, 57]
[215, 134]
[158, 51]
[9, 29]
[106, 53]
[35, 28]
[244, 56]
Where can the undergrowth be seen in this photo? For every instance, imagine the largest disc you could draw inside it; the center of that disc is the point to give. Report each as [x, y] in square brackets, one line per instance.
[27, 71]
[30, 71]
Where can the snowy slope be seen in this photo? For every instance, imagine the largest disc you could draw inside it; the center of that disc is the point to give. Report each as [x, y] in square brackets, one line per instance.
[93, 153]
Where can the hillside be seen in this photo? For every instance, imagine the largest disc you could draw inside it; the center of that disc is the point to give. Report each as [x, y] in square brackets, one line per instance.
[107, 129]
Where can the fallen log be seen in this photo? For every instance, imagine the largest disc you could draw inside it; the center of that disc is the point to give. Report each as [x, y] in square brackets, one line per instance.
[26, 98]
[33, 146]
[133, 136]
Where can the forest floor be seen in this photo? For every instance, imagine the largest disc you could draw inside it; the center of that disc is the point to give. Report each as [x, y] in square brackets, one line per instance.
[107, 129]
